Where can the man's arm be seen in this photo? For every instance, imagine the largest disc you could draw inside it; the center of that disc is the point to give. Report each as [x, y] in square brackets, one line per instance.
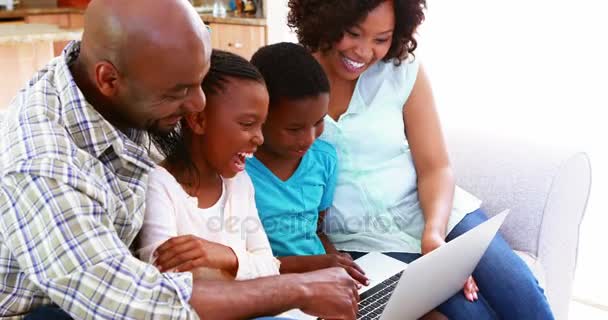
[65, 243]
[329, 294]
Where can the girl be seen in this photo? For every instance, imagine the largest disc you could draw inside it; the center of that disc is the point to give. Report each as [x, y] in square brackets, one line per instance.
[200, 208]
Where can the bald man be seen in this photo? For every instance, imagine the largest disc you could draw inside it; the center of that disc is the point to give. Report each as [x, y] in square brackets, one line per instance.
[73, 176]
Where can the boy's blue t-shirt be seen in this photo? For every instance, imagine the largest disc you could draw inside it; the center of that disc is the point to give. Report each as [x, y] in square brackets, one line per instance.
[289, 210]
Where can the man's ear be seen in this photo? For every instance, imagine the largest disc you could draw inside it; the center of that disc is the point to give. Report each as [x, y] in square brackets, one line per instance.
[197, 122]
[106, 78]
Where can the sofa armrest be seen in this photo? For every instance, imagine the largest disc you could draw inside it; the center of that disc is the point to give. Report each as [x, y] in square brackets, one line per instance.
[545, 188]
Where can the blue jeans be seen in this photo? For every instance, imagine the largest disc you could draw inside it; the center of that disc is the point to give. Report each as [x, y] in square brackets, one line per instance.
[53, 312]
[507, 287]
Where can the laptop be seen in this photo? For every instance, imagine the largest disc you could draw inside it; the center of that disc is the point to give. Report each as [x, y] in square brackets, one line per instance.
[400, 291]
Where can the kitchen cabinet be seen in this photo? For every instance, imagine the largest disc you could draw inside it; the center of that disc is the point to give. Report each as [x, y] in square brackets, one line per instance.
[62, 20]
[243, 40]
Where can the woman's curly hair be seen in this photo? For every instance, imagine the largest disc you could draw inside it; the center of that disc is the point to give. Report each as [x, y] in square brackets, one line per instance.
[319, 24]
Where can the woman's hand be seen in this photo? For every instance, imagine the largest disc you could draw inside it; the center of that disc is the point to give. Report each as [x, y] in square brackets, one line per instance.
[433, 240]
[184, 253]
[471, 289]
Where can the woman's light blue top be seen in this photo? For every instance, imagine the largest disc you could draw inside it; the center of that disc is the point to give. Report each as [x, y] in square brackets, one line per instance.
[376, 206]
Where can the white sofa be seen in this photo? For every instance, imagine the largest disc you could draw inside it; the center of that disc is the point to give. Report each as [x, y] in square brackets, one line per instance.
[546, 189]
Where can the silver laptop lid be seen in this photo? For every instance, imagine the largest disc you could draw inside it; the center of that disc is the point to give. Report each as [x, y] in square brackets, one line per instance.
[435, 277]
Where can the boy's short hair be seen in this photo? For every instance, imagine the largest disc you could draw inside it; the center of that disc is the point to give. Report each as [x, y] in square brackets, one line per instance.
[290, 71]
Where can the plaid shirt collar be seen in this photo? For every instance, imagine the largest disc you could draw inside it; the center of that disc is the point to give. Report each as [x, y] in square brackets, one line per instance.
[83, 122]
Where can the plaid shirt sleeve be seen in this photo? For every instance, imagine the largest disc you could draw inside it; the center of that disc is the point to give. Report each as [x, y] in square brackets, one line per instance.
[65, 243]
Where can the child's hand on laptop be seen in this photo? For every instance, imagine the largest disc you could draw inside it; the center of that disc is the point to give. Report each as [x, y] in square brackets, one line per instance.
[298, 264]
[345, 261]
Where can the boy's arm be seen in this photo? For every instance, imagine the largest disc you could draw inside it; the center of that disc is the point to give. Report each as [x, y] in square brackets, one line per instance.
[297, 264]
[327, 200]
[329, 247]
[333, 258]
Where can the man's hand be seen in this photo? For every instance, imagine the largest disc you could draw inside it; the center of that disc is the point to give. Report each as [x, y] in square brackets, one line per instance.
[329, 294]
[433, 240]
[184, 253]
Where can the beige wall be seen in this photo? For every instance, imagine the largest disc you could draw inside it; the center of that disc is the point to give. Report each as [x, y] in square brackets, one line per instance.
[18, 63]
[276, 20]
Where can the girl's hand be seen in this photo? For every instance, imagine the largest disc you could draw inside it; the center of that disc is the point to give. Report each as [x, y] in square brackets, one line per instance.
[184, 253]
[433, 240]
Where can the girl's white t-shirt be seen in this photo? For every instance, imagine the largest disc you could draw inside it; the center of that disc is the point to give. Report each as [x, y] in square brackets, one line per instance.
[233, 221]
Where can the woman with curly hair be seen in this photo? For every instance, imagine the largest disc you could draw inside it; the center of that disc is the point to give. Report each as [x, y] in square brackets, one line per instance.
[395, 191]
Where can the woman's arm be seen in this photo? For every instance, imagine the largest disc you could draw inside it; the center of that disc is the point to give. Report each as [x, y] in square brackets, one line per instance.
[435, 177]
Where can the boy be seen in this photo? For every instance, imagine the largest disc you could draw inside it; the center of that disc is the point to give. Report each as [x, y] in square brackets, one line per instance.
[293, 173]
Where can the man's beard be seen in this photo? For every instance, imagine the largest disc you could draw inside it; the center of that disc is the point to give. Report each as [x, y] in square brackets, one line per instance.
[155, 129]
[167, 141]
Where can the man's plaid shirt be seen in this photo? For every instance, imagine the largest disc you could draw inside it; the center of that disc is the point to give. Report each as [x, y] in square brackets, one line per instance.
[72, 193]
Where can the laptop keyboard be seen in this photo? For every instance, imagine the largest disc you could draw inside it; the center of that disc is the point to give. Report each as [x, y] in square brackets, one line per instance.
[373, 301]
